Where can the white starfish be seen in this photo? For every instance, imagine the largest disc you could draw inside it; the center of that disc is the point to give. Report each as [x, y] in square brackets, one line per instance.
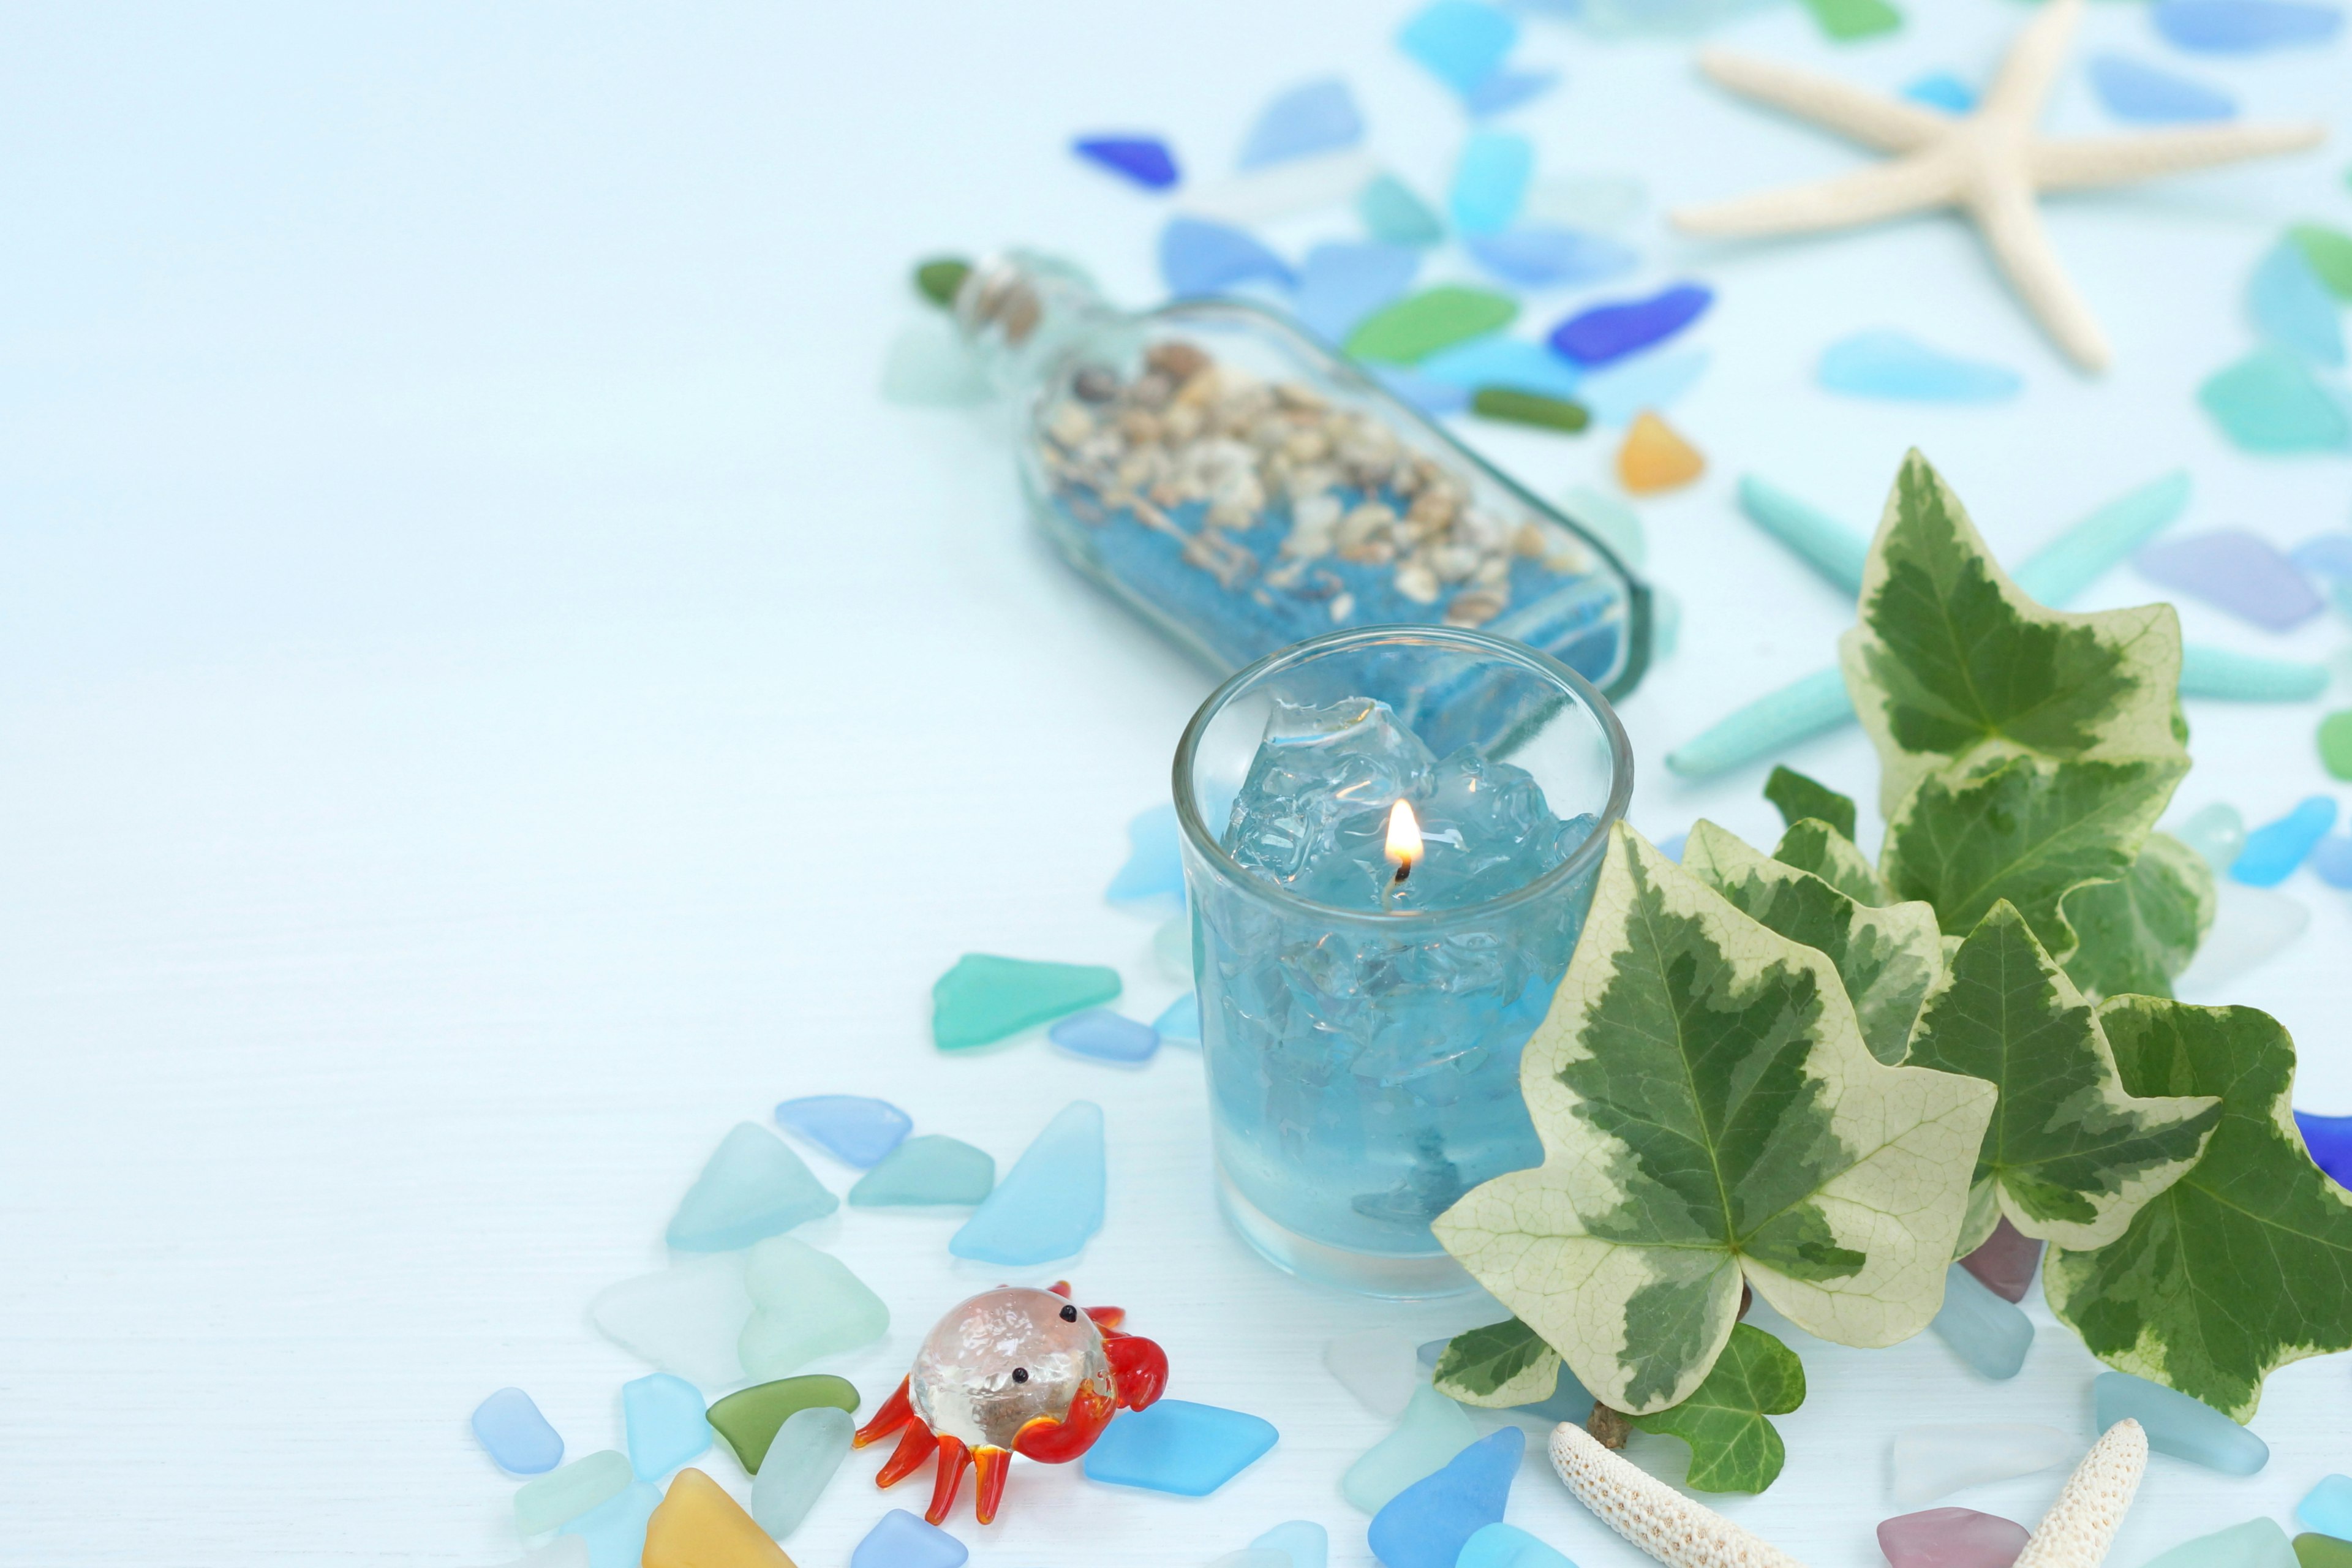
[1991, 164]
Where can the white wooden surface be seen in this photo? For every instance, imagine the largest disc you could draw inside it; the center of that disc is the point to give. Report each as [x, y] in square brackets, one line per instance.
[492, 698]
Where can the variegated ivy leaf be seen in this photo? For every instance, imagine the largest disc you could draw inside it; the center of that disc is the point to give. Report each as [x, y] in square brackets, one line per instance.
[1820, 847]
[1952, 659]
[1733, 1447]
[2027, 830]
[1498, 1366]
[1888, 958]
[2245, 1263]
[2070, 1156]
[2138, 933]
[1801, 799]
[1709, 1109]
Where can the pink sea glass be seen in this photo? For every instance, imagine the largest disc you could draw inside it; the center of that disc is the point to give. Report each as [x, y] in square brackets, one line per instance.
[1951, 1538]
[2006, 1262]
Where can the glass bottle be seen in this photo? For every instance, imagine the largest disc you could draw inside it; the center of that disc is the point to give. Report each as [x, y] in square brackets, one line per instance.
[1245, 489]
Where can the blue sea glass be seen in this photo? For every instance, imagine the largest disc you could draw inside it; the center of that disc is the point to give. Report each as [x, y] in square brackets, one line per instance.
[1142, 158]
[1490, 182]
[1392, 214]
[2329, 1139]
[2147, 96]
[932, 1169]
[1672, 845]
[1617, 392]
[753, 1186]
[1899, 368]
[1569, 1401]
[1500, 361]
[2293, 309]
[1605, 332]
[1049, 1203]
[1198, 257]
[2257, 1544]
[1179, 1024]
[1459, 42]
[1153, 880]
[2177, 1425]
[2271, 402]
[1339, 285]
[855, 1129]
[2235, 570]
[1989, 1333]
[1505, 1546]
[1944, 90]
[1106, 1036]
[2274, 850]
[1307, 1543]
[2325, 556]
[2331, 860]
[666, 1425]
[614, 1532]
[515, 1434]
[1540, 258]
[899, 1539]
[2244, 27]
[1427, 1524]
[1507, 90]
[1314, 116]
[2327, 1507]
[1178, 1447]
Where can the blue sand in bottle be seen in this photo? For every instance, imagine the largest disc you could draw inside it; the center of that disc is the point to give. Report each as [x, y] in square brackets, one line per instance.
[1049, 1203]
[2177, 1425]
[1314, 116]
[899, 1539]
[665, 1422]
[855, 1129]
[516, 1434]
[1427, 1524]
[1178, 1447]
[1143, 158]
[1106, 1036]
[2274, 850]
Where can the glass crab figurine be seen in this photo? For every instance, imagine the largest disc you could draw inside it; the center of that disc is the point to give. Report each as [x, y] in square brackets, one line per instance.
[1011, 1371]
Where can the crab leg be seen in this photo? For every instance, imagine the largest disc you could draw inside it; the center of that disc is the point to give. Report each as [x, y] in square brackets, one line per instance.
[895, 1412]
[953, 1458]
[915, 1445]
[995, 1464]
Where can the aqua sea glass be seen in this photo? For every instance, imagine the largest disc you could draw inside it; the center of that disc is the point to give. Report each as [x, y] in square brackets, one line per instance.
[928, 1170]
[1460, 42]
[752, 1186]
[613, 1532]
[1304, 1543]
[2271, 402]
[2327, 1507]
[1507, 1546]
[2244, 26]
[928, 366]
[1535, 256]
[1050, 1203]
[2293, 309]
[1986, 1332]
[1392, 214]
[1378, 1366]
[2257, 1544]
[515, 1434]
[1319, 116]
[1178, 1447]
[2177, 1425]
[1427, 1524]
[855, 1129]
[2216, 832]
[571, 1491]
[1432, 1431]
[804, 1304]
[1942, 89]
[1180, 1024]
[801, 1462]
[985, 998]
[664, 1415]
[1490, 182]
[686, 1320]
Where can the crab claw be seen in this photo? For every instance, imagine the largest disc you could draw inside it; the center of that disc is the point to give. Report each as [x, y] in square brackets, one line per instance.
[1139, 1368]
[1057, 1440]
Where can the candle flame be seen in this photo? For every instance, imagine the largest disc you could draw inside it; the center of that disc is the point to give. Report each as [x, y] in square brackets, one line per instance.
[1404, 839]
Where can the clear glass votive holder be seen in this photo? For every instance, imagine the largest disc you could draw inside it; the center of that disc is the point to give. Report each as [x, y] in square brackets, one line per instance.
[1363, 1062]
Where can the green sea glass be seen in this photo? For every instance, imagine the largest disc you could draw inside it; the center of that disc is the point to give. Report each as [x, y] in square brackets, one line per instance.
[2335, 744]
[1514, 406]
[2316, 1551]
[751, 1417]
[753, 1186]
[2329, 252]
[804, 1304]
[1433, 1430]
[1420, 324]
[2257, 1544]
[932, 1169]
[985, 998]
[1846, 20]
[568, 1492]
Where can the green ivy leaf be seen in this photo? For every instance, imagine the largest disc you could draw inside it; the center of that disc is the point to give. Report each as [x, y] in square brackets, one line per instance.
[1709, 1109]
[1801, 798]
[2070, 1155]
[2139, 933]
[2245, 1263]
[1498, 1366]
[1888, 958]
[1733, 1447]
[1828, 853]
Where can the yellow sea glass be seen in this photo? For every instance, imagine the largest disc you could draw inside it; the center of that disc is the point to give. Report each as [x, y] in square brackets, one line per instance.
[698, 1525]
[1654, 459]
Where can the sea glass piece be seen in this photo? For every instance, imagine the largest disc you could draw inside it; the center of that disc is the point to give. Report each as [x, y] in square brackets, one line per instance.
[2216, 832]
[2006, 1263]
[1600, 334]
[1106, 1036]
[2236, 571]
[1944, 90]
[2251, 926]
[1932, 1460]
[1427, 1524]
[807, 1450]
[1587, 201]
[1899, 368]
[1172, 948]
[1424, 392]
[1984, 1330]
[2291, 307]
[1306, 1543]
[2329, 253]
[666, 1426]
[2327, 1508]
[1433, 1430]
[515, 1434]
[752, 1186]
[1199, 257]
[855, 1129]
[2270, 402]
[1145, 160]
[2177, 1425]
[1459, 42]
[688, 1320]
[2325, 556]
[1392, 214]
[698, 1525]
[1180, 1023]
[2317, 1551]
[563, 1552]
[1654, 458]
[1507, 90]
[2232, 676]
[1049, 1203]
[985, 998]
[805, 1304]
[1535, 256]
[1339, 286]
[1420, 324]
[939, 279]
[1378, 1366]
[1490, 182]
[1620, 393]
[1846, 20]
[932, 1169]
[2257, 1544]
[1610, 521]
[2147, 96]
[1513, 407]
[1500, 361]
[1319, 116]
[613, 1532]
[1950, 1538]
[2335, 744]
[2331, 860]
[899, 1539]
[928, 366]
[1285, 190]
[1506, 1546]
[1569, 1401]
[571, 1491]
[1178, 1447]
[2274, 850]
[2244, 27]
[749, 1419]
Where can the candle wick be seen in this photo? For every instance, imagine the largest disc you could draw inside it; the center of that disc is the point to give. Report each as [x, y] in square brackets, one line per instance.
[1404, 869]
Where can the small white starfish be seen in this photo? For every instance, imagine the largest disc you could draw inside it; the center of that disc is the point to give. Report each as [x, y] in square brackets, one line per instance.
[1991, 164]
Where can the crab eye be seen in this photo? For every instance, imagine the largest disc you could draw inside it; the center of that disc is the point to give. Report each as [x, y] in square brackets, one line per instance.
[1069, 1314]
[1020, 1374]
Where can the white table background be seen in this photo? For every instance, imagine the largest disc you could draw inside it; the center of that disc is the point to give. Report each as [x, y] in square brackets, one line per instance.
[489, 697]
